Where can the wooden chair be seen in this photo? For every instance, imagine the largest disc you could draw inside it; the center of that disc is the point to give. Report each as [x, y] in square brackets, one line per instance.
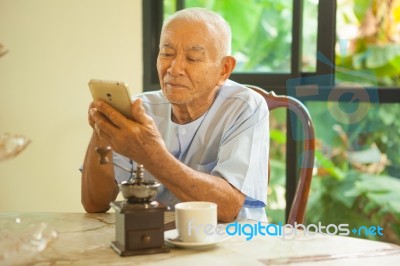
[298, 207]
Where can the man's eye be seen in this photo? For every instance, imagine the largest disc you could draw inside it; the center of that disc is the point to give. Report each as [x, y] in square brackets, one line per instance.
[165, 54]
[191, 59]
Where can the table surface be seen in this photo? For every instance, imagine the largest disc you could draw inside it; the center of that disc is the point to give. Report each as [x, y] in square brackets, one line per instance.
[84, 239]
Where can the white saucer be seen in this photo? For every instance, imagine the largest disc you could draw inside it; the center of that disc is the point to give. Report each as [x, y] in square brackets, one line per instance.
[171, 237]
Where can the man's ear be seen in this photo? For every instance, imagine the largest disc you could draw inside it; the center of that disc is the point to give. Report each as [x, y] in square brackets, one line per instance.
[228, 63]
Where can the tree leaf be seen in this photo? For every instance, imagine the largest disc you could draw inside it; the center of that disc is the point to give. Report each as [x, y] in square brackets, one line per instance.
[379, 56]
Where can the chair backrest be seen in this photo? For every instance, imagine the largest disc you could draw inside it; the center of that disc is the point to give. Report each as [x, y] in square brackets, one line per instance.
[298, 207]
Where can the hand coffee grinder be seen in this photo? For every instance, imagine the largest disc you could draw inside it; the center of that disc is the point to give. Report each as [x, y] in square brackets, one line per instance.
[139, 220]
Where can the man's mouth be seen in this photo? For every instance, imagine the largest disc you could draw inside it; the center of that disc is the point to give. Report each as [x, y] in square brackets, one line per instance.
[174, 85]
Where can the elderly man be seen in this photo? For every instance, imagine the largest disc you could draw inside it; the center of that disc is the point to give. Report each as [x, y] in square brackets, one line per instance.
[202, 136]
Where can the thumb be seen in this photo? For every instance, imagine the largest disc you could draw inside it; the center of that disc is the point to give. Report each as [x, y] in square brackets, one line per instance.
[138, 112]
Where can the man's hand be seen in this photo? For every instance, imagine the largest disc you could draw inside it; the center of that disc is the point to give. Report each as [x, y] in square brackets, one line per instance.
[137, 139]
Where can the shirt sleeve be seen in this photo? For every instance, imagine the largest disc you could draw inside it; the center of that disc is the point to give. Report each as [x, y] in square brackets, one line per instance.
[120, 174]
[243, 157]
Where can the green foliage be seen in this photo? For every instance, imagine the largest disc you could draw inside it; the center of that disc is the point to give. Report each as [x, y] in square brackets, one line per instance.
[358, 200]
[342, 193]
[276, 202]
[375, 47]
[388, 138]
[382, 61]
[261, 32]
[276, 192]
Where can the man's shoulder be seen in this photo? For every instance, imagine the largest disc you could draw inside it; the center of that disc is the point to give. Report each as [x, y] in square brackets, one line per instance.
[232, 90]
[153, 98]
[155, 103]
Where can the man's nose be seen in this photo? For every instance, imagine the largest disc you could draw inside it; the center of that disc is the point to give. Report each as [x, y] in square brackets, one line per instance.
[177, 66]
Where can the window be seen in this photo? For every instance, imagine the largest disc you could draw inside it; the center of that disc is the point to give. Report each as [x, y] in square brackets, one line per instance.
[268, 64]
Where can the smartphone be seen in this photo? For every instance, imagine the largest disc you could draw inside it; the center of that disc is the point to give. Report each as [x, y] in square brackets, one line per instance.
[115, 93]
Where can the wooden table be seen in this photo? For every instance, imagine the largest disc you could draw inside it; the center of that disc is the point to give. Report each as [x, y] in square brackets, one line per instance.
[84, 239]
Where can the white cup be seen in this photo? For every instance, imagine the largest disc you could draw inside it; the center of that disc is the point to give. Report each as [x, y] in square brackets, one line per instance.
[196, 221]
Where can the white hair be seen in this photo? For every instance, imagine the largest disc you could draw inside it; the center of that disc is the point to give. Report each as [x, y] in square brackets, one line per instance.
[224, 36]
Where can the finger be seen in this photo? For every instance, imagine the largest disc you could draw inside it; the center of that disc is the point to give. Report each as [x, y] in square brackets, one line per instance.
[139, 114]
[97, 130]
[112, 114]
[102, 124]
[103, 136]
[90, 118]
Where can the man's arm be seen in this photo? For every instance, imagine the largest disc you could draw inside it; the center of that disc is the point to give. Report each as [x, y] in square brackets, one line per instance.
[145, 146]
[98, 187]
[190, 185]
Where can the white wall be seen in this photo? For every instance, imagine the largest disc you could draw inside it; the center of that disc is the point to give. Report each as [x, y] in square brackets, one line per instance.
[55, 47]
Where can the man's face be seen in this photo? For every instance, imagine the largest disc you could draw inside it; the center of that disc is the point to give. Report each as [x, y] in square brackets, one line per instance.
[187, 68]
